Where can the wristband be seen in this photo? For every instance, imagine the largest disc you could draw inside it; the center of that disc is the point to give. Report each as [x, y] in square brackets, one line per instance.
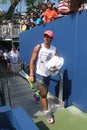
[31, 74]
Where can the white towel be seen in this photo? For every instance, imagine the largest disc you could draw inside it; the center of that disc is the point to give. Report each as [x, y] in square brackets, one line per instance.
[55, 61]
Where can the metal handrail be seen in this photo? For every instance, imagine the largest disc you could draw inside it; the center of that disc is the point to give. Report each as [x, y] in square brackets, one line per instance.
[7, 32]
[61, 89]
[60, 95]
[8, 84]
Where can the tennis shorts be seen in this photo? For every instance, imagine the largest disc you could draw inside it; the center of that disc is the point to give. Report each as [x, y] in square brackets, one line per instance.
[45, 80]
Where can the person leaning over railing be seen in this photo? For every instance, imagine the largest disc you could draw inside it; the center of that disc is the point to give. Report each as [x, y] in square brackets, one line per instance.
[42, 10]
[64, 7]
[76, 5]
[50, 14]
[23, 26]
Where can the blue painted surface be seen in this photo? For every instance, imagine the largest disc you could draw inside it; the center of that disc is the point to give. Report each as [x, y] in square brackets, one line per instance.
[21, 120]
[5, 122]
[71, 40]
[80, 66]
[15, 118]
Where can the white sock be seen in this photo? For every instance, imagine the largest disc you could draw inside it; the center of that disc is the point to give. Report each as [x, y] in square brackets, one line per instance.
[46, 111]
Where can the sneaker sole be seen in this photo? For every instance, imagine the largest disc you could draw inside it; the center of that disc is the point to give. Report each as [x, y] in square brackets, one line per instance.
[50, 122]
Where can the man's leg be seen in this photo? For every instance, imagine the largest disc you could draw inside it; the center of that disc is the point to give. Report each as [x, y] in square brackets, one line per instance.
[44, 103]
[43, 92]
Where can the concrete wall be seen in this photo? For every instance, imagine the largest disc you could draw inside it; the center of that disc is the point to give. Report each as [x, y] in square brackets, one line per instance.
[71, 41]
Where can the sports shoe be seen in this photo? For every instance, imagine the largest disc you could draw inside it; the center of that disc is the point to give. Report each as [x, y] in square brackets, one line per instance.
[50, 119]
[36, 98]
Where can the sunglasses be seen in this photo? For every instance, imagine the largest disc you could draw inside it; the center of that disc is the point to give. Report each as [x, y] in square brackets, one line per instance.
[47, 36]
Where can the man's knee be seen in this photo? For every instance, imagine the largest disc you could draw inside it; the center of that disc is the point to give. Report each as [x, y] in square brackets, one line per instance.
[43, 96]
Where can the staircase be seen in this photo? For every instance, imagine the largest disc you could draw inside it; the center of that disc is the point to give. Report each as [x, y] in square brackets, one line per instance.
[21, 95]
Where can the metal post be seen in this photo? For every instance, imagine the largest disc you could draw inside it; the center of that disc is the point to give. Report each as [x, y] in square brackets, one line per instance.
[12, 43]
[61, 90]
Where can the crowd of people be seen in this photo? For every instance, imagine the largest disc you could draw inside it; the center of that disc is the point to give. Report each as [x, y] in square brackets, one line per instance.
[49, 12]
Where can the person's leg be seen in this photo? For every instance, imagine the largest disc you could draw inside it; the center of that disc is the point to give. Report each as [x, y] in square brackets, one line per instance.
[48, 114]
[16, 71]
[43, 93]
[43, 88]
[12, 67]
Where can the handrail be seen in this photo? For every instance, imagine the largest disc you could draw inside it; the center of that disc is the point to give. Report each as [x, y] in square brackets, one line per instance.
[61, 89]
[8, 84]
[7, 32]
[60, 95]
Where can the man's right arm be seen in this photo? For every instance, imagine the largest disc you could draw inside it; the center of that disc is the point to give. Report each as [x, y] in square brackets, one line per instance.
[33, 62]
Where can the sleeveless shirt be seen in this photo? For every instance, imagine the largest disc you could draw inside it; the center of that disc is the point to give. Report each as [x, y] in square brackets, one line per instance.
[44, 55]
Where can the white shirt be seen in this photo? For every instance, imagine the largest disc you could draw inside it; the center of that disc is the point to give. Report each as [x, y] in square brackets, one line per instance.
[13, 56]
[44, 56]
[5, 55]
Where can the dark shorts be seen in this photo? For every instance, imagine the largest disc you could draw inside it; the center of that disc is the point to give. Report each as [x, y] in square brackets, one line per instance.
[45, 80]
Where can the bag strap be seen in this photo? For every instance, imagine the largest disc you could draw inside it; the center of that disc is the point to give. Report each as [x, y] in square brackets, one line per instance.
[39, 47]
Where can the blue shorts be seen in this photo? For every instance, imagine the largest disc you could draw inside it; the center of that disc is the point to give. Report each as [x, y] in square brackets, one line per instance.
[45, 80]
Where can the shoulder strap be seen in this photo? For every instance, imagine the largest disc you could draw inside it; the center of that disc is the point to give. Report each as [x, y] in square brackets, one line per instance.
[39, 48]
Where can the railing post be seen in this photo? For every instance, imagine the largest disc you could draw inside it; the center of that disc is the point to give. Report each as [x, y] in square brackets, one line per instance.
[60, 98]
[8, 86]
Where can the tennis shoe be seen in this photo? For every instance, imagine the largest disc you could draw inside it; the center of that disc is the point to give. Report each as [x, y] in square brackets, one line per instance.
[50, 119]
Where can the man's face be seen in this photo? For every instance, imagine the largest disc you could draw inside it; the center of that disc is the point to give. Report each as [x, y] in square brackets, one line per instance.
[47, 39]
[50, 6]
[14, 49]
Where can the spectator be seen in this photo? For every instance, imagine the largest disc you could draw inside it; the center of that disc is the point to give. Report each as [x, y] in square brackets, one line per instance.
[28, 21]
[85, 4]
[14, 57]
[4, 21]
[33, 25]
[31, 16]
[36, 19]
[28, 17]
[23, 25]
[76, 5]
[41, 13]
[10, 26]
[28, 24]
[50, 14]
[64, 7]
[6, 59]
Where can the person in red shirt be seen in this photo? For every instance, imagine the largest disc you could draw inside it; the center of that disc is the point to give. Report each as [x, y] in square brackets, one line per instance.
[50, 14]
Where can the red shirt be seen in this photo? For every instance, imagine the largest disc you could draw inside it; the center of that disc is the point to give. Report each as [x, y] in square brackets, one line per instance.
[50, 15]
